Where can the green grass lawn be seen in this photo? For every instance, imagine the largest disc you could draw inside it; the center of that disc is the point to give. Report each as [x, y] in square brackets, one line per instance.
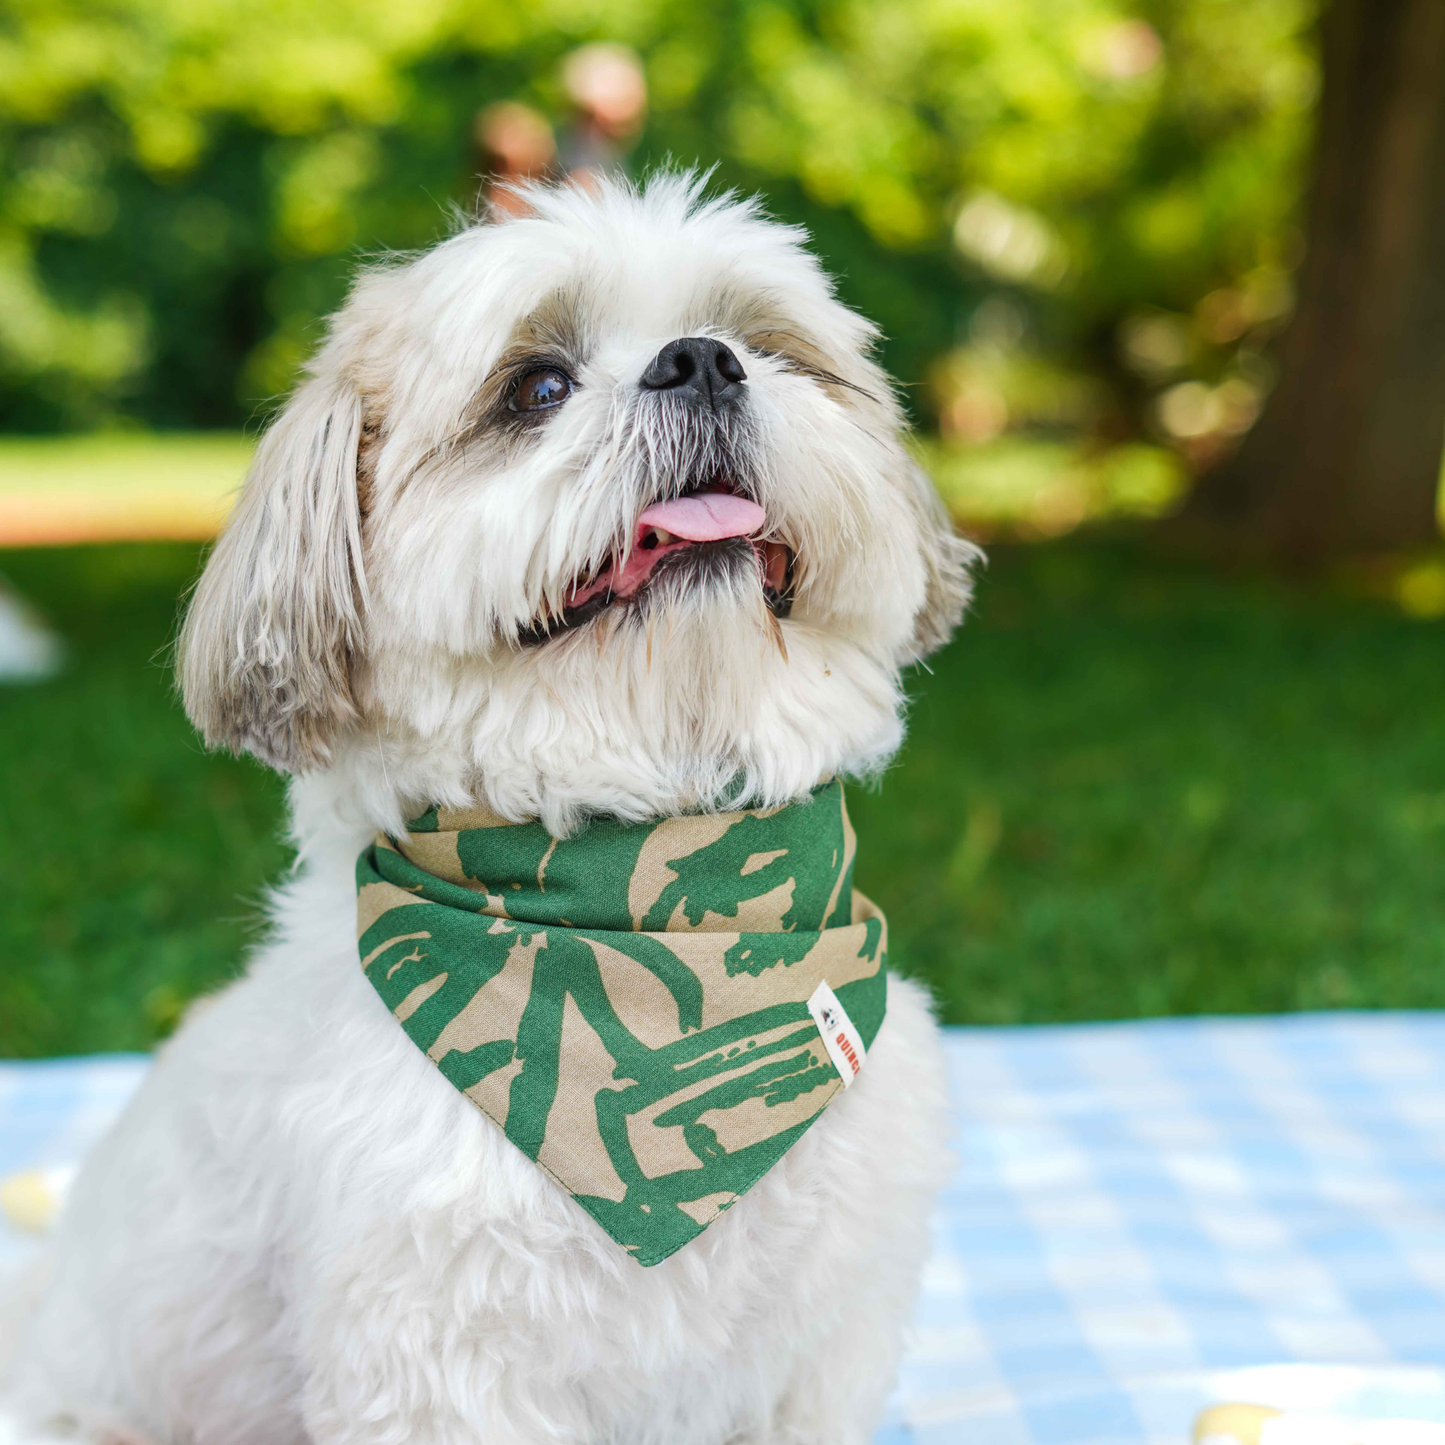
[1130, 788]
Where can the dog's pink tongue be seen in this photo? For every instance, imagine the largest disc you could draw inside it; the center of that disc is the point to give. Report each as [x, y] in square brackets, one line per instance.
[708, 517]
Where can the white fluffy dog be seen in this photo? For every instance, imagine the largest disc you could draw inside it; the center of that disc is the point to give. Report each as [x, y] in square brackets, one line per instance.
[435, 589]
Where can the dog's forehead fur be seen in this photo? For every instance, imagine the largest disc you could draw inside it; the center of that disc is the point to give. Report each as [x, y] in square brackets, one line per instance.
[599, 276]
[403, 529]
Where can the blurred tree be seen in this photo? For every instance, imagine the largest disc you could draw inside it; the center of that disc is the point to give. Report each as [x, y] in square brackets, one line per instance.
[1347, 456]
[185, 186]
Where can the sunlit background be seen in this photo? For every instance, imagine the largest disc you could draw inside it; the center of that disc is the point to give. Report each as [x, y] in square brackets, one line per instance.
[1184, 756]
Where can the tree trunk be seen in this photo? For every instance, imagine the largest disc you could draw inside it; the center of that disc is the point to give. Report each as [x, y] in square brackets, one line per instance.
[1347, 456]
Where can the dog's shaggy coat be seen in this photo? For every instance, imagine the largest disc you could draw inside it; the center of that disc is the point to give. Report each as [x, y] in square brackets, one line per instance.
[300, 1231]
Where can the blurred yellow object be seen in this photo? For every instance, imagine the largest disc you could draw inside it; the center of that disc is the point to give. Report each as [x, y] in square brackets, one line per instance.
[1420, 589]
[121, 486]
[1232, 1424]
[1241, 1424]
[31, 1199]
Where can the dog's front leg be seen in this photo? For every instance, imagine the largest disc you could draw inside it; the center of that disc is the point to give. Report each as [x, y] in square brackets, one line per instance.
[868, 1257]
[397, 1398]
[408, 1351]
[836, 1396]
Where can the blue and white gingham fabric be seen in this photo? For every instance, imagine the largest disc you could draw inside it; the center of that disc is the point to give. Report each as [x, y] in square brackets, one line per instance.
[1139, 1209]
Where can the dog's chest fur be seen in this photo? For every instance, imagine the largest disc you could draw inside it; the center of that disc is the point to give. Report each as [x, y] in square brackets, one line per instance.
[368, 1256]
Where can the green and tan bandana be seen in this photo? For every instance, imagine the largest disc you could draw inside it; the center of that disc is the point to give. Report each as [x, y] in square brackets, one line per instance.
[653, 1012]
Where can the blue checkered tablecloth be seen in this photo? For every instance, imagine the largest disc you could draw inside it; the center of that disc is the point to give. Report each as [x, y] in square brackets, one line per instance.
[1139, 1211]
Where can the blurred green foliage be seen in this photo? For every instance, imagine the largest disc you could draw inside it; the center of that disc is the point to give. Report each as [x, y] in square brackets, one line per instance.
[135, 860]
[1075, 206]
[1129, 788]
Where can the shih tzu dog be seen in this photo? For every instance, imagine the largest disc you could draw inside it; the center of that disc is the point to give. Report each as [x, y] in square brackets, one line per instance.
[569, 583]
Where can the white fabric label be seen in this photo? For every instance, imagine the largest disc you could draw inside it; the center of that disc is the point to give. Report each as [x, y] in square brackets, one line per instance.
[840, 1038]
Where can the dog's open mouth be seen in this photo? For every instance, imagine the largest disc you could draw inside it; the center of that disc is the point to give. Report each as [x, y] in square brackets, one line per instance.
[695, 528]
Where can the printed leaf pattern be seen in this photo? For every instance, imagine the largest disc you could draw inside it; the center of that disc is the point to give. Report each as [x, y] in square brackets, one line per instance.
[629, 1005]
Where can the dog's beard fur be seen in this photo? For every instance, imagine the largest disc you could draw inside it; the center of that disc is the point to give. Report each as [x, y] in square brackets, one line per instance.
[391, 600]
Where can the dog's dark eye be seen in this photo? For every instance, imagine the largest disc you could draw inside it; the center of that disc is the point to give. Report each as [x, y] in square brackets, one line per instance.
[541, 389]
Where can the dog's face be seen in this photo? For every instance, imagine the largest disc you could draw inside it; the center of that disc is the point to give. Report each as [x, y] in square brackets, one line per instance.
[604, 508]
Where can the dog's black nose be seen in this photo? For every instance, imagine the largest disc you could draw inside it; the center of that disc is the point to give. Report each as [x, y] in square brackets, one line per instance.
[698, 367]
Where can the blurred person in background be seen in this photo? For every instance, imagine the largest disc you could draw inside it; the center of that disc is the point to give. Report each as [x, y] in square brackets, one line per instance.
[608, 90]
[514, 144]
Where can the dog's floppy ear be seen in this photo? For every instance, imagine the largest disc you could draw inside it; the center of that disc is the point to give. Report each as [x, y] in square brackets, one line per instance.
[948, 561]
[265, 654]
